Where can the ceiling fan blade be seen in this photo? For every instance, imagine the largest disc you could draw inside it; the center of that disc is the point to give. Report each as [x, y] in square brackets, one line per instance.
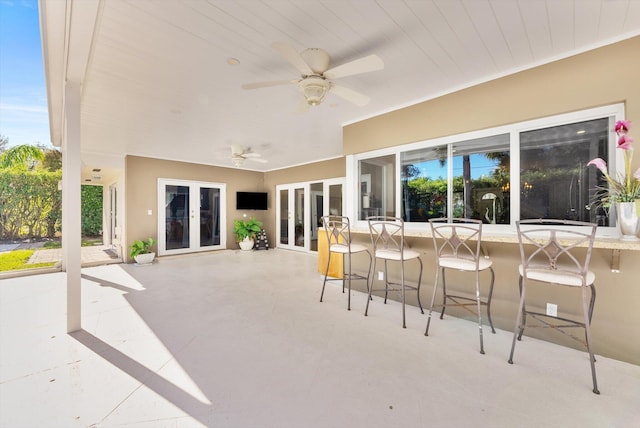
[362, 65]
[257, 160]
[249, 155]
[293, 56]
[350, 95]
[258, 85]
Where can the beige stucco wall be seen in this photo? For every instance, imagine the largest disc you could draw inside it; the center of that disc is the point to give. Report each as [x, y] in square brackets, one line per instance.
[141, 177]
[603, 76]
[600, 77]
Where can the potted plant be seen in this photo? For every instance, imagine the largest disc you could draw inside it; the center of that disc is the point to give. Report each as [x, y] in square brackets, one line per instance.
[246, 231]
[142, 251]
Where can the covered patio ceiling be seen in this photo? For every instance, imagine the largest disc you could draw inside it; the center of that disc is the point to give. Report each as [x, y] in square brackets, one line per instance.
[163, 79]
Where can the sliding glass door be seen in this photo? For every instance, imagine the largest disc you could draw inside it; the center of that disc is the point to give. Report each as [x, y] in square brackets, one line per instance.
[300, 208]
[191, 216]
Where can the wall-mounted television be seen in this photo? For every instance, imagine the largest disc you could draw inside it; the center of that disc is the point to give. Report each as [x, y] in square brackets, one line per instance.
[251, 201]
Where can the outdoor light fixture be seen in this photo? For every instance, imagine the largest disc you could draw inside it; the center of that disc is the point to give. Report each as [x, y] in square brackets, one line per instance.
[314, 89]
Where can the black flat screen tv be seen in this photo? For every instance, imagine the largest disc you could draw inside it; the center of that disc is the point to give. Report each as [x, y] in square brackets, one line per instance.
[251, 201]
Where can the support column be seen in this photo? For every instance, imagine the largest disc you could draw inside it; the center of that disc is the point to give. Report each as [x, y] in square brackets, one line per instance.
[71, 211]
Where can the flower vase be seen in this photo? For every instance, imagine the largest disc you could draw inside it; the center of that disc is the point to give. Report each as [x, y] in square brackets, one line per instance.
[628, 221]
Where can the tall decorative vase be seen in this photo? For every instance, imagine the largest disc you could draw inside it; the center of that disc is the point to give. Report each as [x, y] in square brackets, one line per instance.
[628, 221]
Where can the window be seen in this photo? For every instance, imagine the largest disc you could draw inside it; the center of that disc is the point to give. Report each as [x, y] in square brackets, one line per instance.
[377, 187]
[554, 180]
[534, 169]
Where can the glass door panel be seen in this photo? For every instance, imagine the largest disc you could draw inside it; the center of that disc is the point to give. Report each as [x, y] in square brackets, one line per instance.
[191, 216]
[284, 217]
[299, 217]
[315, 213]
[177, 217]
[209, 217]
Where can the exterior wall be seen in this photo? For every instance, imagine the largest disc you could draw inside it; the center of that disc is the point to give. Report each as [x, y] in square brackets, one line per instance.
[599, 77]
[142, 176]
[323, 170]
[603, 76]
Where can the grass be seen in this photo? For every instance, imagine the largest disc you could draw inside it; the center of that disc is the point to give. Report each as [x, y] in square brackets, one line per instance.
[13, 260]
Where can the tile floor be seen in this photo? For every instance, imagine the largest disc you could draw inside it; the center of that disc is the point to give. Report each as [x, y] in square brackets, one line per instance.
[234, 339]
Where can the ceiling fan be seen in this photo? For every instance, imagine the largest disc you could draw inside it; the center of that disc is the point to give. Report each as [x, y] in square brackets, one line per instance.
[239, 154]
[316, 76]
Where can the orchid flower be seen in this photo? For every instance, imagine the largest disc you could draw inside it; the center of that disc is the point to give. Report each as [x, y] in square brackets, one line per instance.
[622, 126]
[624, 142]
[625, 187]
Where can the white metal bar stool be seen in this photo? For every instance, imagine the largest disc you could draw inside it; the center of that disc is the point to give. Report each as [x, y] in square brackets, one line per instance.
[387, 237]
[338, 232]
[457, 245]
[550, 254]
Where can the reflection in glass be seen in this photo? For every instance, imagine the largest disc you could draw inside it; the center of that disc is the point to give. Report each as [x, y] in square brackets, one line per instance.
[377, 187]
[315, 216]
[299, 214]
[335, 199]
[284, 216]
[554, 180]
[177, 216]
[479, 181]
[209, 217]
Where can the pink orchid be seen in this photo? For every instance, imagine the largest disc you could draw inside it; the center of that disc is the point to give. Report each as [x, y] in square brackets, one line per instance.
[624, 142]
[636, 174]
[622, 126]
[600, 164]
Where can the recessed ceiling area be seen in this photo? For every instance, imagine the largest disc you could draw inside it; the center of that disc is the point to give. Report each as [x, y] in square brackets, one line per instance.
[164, 79]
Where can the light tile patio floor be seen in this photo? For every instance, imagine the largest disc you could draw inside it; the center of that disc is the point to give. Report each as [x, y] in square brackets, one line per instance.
[233, 339]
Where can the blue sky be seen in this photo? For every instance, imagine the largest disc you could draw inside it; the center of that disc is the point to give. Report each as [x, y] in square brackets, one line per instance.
[23, 97]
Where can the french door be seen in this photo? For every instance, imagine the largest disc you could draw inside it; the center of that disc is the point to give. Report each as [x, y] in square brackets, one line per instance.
[300, 208]
[191, 216]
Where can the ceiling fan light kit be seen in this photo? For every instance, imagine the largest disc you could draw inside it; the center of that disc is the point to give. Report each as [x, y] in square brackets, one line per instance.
[314, 89]
[315, 74]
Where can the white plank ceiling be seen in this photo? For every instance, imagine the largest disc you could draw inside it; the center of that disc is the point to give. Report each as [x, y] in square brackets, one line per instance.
[159, 84]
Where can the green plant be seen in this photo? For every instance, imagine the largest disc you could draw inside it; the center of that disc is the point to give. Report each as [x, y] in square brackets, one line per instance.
[246, 228]
[141, 247]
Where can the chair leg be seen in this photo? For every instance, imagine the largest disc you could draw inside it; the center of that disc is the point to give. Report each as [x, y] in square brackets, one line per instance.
[326, 272]
[349, 279]
[522, 309]
[444, 294]
[418, 289]
[369, 273]
[370, 286]
[404, 321]
[493, 276]
[519, 320]
[433, 299]
[587, 327]
[386, 282]
[479, 305]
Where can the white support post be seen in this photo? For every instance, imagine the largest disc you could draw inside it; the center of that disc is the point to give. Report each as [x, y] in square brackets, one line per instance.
[71, 211]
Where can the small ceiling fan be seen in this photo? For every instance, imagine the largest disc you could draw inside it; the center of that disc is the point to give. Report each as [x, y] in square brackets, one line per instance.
[239, 154]
[316, 76]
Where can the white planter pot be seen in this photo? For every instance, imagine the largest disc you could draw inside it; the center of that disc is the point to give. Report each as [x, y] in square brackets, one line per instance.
[246, 244]
[143, 259]
[628, 221]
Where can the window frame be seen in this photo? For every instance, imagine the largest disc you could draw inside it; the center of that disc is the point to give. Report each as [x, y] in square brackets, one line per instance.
[615, 163]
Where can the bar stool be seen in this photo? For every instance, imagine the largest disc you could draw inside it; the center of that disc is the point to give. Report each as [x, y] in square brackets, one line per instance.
[338, 232]
[387, 237]
[548, 252]
[457, 244]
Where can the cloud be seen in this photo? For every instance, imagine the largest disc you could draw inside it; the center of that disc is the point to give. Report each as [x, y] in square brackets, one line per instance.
[23, 108]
